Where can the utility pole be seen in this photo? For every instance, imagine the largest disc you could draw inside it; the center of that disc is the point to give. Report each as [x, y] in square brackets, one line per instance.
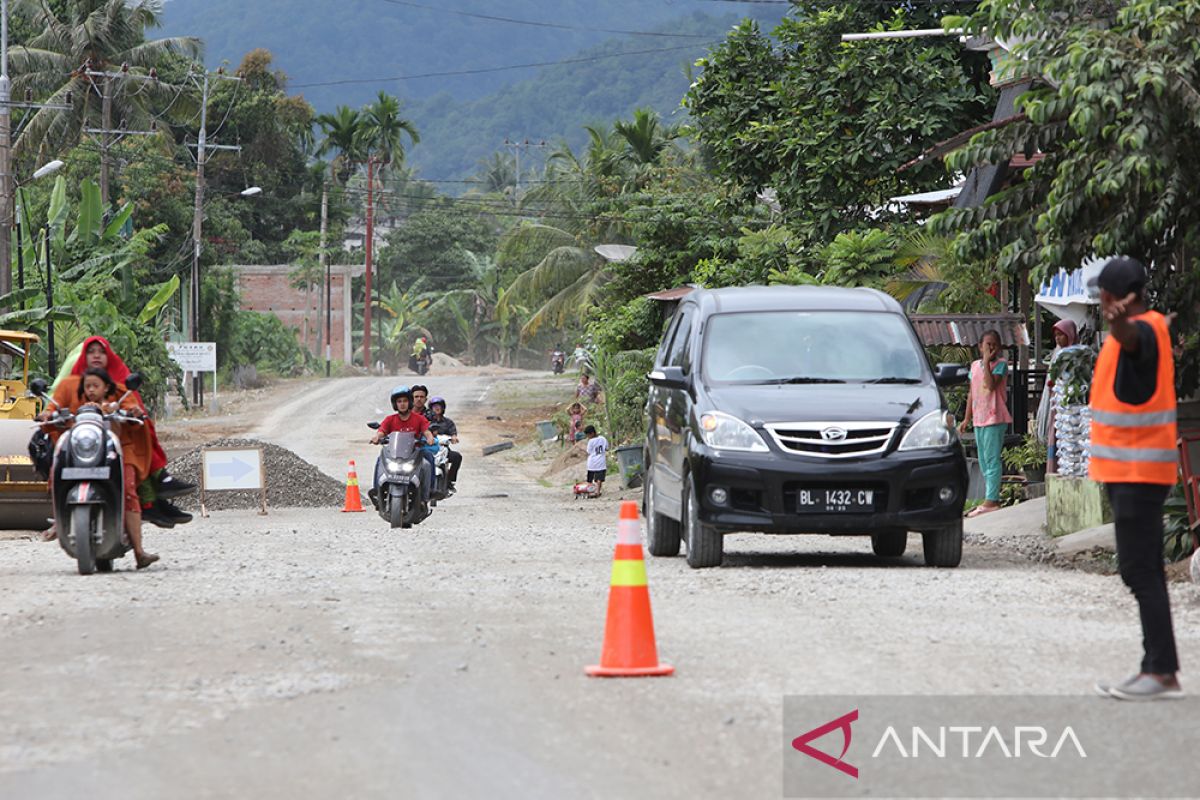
[370, 245]
[6, 182]
[517, 148]
[106, 131]
[325, 267]
[202, 148]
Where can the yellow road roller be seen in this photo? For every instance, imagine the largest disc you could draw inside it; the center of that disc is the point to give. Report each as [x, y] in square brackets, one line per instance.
[24, 496]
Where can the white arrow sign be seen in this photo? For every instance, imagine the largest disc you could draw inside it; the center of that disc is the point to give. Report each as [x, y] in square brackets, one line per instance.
[231, 470]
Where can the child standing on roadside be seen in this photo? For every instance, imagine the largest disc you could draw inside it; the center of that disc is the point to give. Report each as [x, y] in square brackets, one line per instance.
[576, 411]
[988, 410]
[597, 462]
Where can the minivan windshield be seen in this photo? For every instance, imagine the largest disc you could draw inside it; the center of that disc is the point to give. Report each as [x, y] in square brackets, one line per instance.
[780, 347]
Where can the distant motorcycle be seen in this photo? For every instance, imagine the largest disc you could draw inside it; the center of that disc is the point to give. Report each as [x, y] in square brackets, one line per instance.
[420, 365]
[558, 362]
[397, 495]
[88, 480]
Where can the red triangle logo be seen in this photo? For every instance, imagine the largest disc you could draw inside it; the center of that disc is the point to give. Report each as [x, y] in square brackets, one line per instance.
[801, 743]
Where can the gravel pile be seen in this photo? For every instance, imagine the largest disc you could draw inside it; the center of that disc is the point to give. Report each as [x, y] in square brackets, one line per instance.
[292, 482]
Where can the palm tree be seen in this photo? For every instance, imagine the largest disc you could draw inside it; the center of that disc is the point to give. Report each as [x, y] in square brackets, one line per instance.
[82, 36]
[383, 130]
[343, 133]
[563, 285]
[645, 137]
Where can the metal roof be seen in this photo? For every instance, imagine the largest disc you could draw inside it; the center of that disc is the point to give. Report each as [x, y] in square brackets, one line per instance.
[968, 329]
[18, 336]
[678, 293]
[929, 198]
[960, 139]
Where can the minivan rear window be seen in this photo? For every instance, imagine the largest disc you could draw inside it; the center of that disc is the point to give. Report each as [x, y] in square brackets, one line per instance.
[811, 347]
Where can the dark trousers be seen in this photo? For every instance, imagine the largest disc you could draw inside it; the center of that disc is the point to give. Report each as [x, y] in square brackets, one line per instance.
[1138, 517]
[455, 459]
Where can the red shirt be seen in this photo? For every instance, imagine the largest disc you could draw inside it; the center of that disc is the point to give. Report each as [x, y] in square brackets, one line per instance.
[415, 423]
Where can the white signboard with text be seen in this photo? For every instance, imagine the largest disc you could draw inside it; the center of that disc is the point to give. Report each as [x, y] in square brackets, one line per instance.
[194, 356]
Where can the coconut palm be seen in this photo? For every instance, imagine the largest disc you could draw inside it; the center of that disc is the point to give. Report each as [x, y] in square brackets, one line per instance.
[563, 285]
[90, 35]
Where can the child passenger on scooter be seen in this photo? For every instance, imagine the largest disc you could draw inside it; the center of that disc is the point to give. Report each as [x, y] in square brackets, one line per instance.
[99, 388]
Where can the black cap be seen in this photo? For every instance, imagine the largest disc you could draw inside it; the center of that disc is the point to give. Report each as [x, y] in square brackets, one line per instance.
[1122, 275]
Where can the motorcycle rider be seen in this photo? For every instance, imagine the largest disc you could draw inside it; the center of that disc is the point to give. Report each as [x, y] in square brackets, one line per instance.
[159, 485]
[441, 425]
[405, 421]
[420, 394]
[96, 387]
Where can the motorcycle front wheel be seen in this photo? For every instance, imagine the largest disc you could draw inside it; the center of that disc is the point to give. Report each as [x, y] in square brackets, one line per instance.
[81, 528]
[396, 509]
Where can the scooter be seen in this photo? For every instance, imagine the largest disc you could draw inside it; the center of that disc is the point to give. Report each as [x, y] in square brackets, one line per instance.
[558, 362]
[440, 489]
[397, 494]
[420, 365]
[88, 481]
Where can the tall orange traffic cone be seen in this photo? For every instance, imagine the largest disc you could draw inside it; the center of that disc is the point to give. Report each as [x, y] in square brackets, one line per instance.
[353, 498]
[629, 649]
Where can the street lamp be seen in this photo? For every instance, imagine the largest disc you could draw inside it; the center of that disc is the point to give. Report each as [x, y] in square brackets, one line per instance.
[48, 168]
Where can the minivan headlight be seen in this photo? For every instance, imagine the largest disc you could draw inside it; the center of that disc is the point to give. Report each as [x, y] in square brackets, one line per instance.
[935, 429]
[730, 433]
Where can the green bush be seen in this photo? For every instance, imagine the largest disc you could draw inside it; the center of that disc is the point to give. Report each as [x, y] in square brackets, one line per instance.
[264, 341]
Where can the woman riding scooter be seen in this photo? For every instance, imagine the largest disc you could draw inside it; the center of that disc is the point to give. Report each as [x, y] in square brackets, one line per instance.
[97, 388]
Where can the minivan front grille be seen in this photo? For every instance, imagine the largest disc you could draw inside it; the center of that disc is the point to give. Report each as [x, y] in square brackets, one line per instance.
[833, 439]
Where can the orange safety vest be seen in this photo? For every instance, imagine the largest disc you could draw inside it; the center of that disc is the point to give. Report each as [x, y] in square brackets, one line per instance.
[1134, 443]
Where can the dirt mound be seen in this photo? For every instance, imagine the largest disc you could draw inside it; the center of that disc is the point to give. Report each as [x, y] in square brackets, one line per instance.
[443, 360]
[570, 458]
[292, 482]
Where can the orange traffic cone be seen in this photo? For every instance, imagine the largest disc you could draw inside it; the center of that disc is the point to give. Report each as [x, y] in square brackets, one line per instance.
[353, 498]
[629, 649]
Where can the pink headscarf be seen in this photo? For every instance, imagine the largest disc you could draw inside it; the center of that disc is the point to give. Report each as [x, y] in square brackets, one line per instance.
[1069, 329]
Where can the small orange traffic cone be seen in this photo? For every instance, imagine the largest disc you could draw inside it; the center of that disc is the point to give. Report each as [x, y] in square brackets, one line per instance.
[629, 649]
[353, 498]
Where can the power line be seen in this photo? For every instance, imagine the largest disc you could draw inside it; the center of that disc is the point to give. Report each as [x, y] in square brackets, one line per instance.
[536, 24]
[481, 70]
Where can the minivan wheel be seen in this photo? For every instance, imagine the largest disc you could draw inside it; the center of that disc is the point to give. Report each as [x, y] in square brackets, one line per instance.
[889, 544]
[943, 547]
[662, 533]
[705, 545]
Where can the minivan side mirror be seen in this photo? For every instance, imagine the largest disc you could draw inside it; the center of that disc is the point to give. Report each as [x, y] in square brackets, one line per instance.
[669, 378]
[951, 374]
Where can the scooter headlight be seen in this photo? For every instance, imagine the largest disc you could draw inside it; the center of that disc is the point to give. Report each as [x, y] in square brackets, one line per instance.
[399, 466]
[86, 442]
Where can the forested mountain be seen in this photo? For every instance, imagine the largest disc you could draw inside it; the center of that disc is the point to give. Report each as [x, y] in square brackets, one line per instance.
[342, 52]
[556, 102]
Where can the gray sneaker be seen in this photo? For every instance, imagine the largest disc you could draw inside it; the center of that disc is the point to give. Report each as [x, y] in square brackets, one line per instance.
[1105, 689]
[1147, 687]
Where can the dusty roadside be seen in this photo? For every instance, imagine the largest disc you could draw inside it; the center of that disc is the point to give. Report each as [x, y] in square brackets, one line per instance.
[313, 653]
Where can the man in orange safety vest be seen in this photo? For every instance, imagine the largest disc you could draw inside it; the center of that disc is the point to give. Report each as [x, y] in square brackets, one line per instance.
[1133, 452]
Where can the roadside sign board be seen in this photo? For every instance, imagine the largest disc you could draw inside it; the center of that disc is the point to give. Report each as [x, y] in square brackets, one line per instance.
[232, 469]
[194, 356]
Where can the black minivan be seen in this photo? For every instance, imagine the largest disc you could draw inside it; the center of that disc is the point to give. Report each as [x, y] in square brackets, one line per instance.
[800, 409]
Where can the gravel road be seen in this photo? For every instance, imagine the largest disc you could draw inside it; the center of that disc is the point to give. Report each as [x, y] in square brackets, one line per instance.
[317, 654]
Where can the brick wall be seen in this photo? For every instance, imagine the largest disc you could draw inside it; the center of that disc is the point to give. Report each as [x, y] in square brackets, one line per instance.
[268, 289]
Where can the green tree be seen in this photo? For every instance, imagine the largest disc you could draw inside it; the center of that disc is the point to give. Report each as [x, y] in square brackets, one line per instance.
[826, 124]
[432, 249]
[1117, 123]
[100, 35]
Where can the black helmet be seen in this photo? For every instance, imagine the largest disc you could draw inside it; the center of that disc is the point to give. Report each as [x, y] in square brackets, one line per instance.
[401, 391]
[438, 401]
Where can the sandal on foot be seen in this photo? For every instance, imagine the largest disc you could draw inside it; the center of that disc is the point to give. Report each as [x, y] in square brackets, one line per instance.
[146, 560]
[979, 511]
